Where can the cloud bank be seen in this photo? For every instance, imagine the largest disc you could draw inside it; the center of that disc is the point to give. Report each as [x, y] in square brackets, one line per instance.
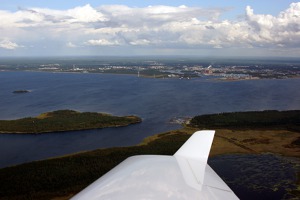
[149, 27]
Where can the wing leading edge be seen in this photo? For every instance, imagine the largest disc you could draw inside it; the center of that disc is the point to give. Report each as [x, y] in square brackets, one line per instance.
[186, 175]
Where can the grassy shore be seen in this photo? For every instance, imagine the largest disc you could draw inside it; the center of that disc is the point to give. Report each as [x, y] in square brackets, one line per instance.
[61, 178]
[64, 120]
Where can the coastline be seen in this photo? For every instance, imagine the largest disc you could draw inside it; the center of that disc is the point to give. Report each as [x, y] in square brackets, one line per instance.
[158, 76]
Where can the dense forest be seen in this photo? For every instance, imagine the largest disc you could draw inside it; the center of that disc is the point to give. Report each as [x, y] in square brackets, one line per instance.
[254, 119]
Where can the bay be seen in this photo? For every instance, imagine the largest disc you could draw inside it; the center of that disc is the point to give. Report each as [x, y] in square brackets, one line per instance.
[156, 101]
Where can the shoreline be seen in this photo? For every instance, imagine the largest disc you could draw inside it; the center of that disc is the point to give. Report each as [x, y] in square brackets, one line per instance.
[221, 145]
[63, 131]
[215, 149]
[151, 76]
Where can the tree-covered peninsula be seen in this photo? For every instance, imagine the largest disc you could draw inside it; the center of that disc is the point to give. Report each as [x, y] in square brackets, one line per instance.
[249, 120]
[64, 120]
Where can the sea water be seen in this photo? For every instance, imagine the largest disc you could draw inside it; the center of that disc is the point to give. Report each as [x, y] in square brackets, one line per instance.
[156, 101]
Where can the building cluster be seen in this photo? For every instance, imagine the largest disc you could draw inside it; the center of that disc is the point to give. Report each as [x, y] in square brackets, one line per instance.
[226, 72]
[174, 70]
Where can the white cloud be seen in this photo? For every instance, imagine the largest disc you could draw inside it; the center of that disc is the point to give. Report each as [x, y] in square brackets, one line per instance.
[6, 44]
[155, 26]
[140, 42]
[102, 42]
[283, 30]
[85, 14]
[71, 45]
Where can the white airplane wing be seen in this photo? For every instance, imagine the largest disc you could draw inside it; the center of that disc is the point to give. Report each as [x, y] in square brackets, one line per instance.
[185, 175]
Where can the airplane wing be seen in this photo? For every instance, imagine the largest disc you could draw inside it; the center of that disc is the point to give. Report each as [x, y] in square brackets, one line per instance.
[185, 175]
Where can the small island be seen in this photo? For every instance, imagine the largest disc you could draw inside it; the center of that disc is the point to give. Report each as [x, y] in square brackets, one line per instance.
[20, 91]
[64, 120]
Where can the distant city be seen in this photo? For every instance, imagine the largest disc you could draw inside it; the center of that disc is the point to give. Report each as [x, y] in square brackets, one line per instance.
[163, 68]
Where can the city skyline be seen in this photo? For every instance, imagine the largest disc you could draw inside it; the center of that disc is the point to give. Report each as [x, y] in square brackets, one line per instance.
[135, 28]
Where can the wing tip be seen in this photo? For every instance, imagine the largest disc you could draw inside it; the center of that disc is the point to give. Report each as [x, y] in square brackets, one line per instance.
[197, 146]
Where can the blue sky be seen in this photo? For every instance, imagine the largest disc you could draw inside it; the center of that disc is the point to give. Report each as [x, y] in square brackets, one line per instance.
[261, 6]
[144, 27]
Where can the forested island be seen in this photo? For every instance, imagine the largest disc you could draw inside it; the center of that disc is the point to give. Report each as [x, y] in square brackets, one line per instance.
[64, 120]
[241, 133]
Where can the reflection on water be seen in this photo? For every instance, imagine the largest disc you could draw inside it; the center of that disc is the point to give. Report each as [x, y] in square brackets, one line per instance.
[264, 176]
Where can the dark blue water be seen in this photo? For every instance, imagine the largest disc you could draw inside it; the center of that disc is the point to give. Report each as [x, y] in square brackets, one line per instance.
[264, 176]
[155, 100]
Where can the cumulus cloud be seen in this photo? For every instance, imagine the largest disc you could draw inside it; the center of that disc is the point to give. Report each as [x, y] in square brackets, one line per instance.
[283, 30]
[41, 16]
[6, 44]
[156, 26]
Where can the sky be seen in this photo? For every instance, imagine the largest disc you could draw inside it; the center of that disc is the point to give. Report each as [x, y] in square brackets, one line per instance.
[268, 28]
